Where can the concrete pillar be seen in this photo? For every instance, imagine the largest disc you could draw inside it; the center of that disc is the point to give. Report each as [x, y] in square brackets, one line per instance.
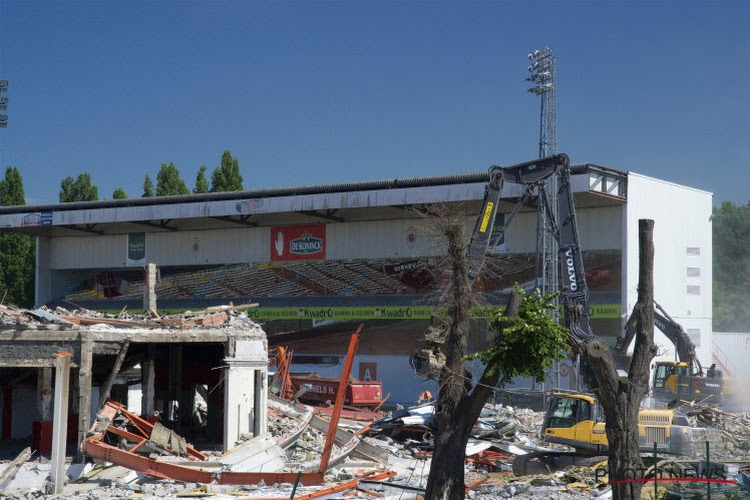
[245, 394]
[149, 290]
[44, 394]
[60, 426]
[148, 379]
[84, 390]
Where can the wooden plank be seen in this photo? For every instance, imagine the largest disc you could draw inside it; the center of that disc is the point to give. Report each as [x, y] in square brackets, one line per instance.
[107, 387]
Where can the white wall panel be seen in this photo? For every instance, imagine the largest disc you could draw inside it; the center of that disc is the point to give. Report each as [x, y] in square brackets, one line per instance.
[598, 229]
[178, 248]
[681, 220]
[85, 252]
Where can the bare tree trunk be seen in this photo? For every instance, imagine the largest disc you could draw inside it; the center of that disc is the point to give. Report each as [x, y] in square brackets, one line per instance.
[621, 397]
[457, 407]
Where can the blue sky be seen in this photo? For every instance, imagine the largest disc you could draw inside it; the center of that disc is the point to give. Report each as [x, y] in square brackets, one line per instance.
[325, 92]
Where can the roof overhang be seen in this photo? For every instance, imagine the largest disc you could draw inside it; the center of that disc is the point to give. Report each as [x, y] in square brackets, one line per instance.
[356, 202]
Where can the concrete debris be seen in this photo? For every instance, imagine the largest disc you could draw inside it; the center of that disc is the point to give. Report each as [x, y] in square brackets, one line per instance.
[213, 317]
[387, 458]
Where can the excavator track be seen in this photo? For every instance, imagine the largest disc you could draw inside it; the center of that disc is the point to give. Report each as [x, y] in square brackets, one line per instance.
[548, 461]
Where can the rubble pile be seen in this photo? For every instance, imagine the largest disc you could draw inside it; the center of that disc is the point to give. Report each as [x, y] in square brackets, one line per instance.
[212, 317]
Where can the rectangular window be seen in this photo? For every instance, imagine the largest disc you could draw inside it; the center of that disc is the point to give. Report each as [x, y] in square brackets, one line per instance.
[693, 290]
[695, 336]
[693, 272]
[693, 250]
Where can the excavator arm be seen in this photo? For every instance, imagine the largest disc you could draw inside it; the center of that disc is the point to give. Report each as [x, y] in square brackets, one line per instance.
[673, 331]
[530, 174]
[574, 291]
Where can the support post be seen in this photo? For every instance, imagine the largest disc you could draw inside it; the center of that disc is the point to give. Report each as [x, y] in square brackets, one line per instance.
[60, 425]
[41, 429]
[148, 378]
[44, 394]
[84, 391]
[338, 406]
[149, 290]
[107, 388]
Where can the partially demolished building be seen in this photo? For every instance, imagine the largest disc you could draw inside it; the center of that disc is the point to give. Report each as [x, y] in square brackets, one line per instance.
[317, 260]
[205, 382]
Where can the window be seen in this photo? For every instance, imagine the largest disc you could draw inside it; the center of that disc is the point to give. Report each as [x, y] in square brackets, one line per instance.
[662, 372]
[567, 411]
[693, 290]
[693, 251]
[693, 272]
[695, 336]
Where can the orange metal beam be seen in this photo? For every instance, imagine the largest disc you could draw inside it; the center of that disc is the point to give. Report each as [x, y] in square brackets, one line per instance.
[94, 448]
[343, 382]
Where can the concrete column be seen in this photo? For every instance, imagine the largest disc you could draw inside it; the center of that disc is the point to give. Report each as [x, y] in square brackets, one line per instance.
[44, 394]
[60, 426]
[244, 405]
[148, 379]
[84, 390]
[149, 290]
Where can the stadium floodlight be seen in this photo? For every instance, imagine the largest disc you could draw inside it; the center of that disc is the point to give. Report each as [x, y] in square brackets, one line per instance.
[3, 121]
[3, 103]
[3, 86]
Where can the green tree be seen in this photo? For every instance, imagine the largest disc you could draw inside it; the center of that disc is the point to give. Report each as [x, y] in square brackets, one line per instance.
[119, 194]
[527, 344]
[79, 189]
[460, 401]
[148, 188]
[168, 181]
[201, 184]
[17, 251]
[731, 266]
[227, 177]
[11, 188]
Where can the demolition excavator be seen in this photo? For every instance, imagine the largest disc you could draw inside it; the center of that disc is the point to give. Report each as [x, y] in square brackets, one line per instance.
[572, 419]
[678, 380]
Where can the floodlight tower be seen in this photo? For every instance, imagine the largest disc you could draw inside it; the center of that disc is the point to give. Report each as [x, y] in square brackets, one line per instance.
[542, 69]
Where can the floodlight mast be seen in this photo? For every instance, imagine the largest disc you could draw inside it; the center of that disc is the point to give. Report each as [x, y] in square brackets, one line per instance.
[542, 76]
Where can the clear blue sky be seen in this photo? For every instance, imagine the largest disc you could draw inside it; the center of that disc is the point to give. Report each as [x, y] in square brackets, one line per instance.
[325, 92]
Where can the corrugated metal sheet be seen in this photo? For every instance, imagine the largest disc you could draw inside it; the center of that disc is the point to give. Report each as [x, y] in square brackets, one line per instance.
[731, 350]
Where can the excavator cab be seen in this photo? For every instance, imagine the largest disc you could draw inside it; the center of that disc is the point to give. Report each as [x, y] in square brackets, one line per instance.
[574, 420]
[673, 381]
[667, 373]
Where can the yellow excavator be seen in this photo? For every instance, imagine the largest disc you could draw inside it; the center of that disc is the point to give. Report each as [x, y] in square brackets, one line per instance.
[577, 420]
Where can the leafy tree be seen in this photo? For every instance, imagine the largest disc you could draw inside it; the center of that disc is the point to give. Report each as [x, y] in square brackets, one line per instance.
[17, 251]
[731, 273]
[11, 188]
[459, 401]
[168, 181]
[119, 194]
[201, 184]
[79, 189]
[148, 188]
[227, 177]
